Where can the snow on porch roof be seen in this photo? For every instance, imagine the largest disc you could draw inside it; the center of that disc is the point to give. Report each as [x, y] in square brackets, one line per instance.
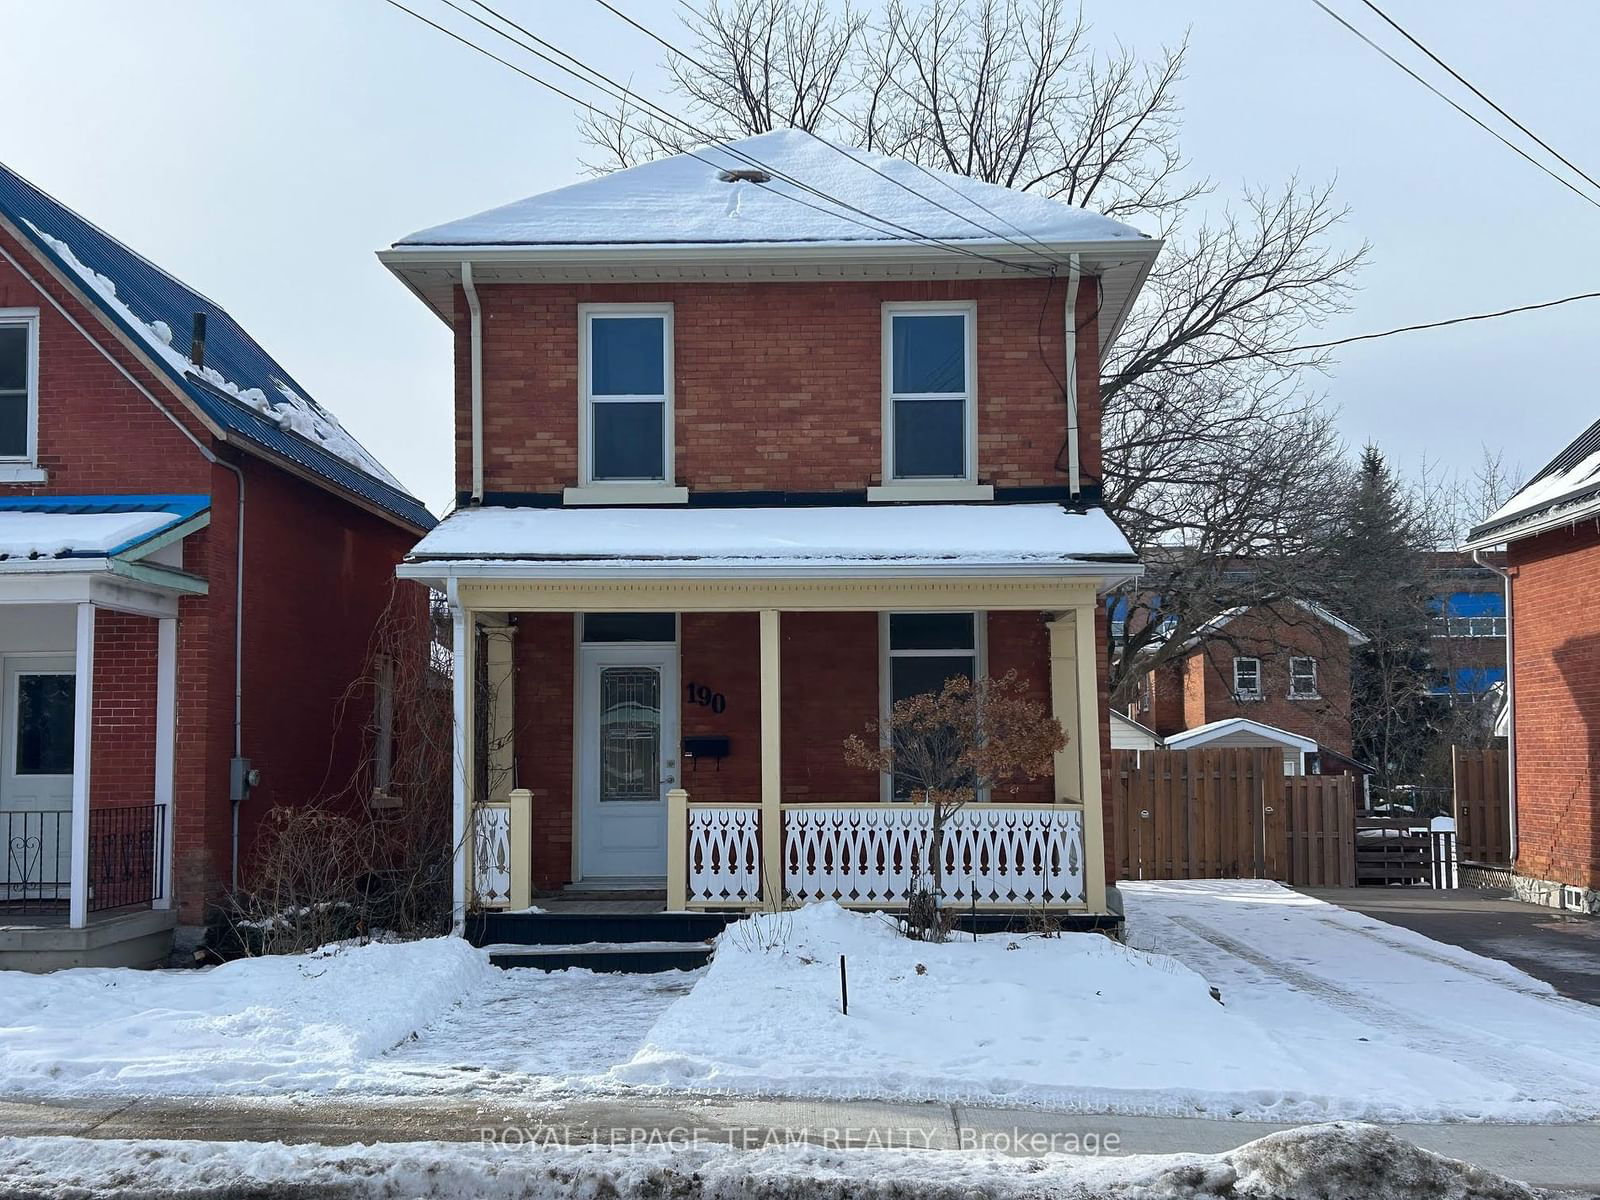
[932, 535]
[42, 527]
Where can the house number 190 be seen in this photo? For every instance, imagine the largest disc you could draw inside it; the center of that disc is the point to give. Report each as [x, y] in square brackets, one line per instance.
[699, 693]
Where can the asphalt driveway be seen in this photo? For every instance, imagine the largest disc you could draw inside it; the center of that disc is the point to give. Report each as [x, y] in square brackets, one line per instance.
[1560, 948]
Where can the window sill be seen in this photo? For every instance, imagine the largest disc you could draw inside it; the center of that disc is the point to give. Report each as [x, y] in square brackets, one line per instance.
[1305, 695]
[952, 492]
[23, 473]
[1245, 699]
[625, 493]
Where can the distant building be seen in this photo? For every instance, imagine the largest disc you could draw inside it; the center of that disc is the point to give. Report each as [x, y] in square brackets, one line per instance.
[1469, 629]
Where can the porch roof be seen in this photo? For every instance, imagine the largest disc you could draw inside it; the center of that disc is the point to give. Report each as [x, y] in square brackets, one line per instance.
[1043, 539]
[35, 528]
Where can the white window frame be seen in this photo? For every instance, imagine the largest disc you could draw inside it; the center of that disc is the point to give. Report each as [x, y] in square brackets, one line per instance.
[955, 488]
[886, 657]
[626, 491]
[1295, 693]
[1255, 693]
[24, 468]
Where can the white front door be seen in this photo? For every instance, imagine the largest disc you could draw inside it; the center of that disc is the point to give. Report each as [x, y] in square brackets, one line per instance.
[36, 753]
[627, 759]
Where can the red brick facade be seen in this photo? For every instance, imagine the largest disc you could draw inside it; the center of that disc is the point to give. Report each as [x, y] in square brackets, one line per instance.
[1197, 688]
[318, 571]
[1555, 622]
[777, 388]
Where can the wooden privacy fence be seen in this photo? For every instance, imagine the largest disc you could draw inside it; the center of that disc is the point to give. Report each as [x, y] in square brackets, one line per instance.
[1482, 806]
[1230, 814]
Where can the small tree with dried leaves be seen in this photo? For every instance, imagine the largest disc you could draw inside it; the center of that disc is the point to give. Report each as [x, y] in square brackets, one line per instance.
[949, 747]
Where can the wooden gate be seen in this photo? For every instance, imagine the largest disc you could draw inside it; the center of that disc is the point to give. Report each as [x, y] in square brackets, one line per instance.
[1482, 806]
[1230, 814]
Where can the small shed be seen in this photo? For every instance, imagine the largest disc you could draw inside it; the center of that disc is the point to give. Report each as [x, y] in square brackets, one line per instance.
[1240, 731]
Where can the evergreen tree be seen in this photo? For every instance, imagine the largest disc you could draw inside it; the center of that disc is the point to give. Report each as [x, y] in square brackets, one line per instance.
[1379, 573]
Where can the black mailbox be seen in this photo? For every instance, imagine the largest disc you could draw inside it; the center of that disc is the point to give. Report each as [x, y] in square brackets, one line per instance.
[713, 747]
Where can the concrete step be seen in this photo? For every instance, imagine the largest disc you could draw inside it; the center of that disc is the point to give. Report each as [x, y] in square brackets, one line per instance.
[572, 929]
[630, 958]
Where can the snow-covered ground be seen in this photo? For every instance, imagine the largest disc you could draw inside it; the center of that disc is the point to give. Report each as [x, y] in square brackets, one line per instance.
[1333, 1162]
[1323, 1014]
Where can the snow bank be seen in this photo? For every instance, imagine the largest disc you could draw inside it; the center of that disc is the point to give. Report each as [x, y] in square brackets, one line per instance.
[291, 411]
[300, 1022]
[1316, 1163]
[1076, 1021]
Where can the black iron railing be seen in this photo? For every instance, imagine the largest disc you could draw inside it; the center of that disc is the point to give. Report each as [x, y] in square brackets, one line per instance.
[125, 865]
[36, 874]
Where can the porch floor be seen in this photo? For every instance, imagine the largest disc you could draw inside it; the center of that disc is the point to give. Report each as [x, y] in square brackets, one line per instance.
[573, 902]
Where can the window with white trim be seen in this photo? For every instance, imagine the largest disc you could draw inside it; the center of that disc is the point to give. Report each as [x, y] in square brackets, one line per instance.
[626, 383]
[19, 384]
[1302, 678]
[924, 651]
[1247, 679]
[930, 429]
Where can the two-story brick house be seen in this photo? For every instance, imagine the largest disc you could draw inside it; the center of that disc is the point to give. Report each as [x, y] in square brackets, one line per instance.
[1552, 581]
[193, 555]
[1271, 675]
[741, 463]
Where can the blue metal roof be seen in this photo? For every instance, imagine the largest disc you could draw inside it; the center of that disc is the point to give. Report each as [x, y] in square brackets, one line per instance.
[182, 507]
[154, 295]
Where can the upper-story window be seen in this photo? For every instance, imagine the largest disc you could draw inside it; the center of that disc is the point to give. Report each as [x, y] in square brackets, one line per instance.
[930, 386]
[1303, 678]
[1246, 678]
[19, 385]
[626, 381]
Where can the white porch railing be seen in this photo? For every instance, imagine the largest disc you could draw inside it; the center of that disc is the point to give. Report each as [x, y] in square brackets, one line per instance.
[871, 855]
[724, 854]
[999, 855]
[501, 853]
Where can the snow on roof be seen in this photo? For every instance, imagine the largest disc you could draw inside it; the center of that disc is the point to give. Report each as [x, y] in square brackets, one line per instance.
[241, 387]
[1222, 619]
[1566, 490]
[684, 199]
[930, 534]
[1213, 730]
[60, 535]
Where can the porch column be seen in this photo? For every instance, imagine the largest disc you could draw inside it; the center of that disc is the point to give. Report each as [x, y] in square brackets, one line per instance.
[461, 806]
[1075, 702]
[82, 733]
[499, 679]
[771, 762]
[166, 747]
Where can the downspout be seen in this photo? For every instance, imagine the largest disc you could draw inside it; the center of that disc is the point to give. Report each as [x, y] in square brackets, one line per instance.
[1511, 704]
[476, 310]
[1074, 467]
[210, 457]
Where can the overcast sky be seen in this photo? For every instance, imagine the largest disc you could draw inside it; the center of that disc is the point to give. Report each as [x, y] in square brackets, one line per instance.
[263, 149]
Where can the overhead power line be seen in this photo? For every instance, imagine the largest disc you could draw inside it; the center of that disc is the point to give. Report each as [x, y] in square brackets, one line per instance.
[1485, 316]
[1465, 82]
[1566, 183]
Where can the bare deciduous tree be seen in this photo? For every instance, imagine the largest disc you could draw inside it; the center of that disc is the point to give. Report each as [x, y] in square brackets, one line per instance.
[951, 746]
[1213, 450]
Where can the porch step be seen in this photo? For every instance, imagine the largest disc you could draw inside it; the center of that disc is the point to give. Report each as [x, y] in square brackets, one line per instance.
[581, 928]
[632, 958]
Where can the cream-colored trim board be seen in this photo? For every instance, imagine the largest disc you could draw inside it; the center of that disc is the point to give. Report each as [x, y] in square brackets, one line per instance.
[795, 595]
[771, 758]
[1064, 706]
[925, 493]
[1094, 829]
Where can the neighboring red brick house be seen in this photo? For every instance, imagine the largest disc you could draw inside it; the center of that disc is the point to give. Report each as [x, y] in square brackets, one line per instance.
[1249, 675]
[738, 466]
[1552, 566]
[147, 720]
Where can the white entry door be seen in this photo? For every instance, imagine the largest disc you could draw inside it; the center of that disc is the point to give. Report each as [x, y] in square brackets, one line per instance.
[36, 753]
[627, 759]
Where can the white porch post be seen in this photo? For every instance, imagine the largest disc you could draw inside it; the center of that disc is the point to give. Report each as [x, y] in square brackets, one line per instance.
[461, 808]
[1094, 826]
[166, 748]
[82, 733]
[771, 762]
